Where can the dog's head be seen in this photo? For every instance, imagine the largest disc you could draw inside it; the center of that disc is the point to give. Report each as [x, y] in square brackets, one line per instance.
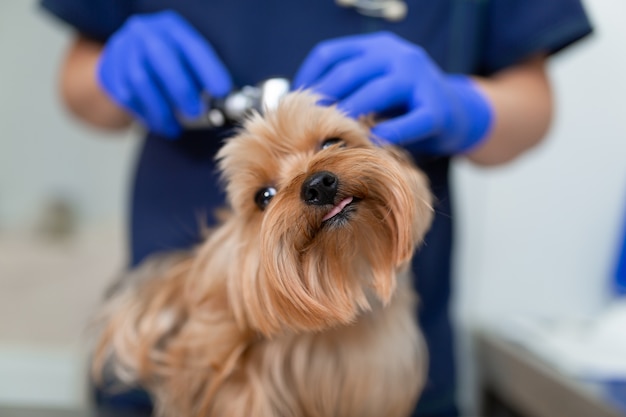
[324, 217]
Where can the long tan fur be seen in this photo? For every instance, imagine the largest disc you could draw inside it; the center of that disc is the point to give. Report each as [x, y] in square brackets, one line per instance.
[278, 313]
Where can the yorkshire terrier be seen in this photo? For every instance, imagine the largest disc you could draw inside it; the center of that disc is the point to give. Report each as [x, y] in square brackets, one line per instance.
[300, 303]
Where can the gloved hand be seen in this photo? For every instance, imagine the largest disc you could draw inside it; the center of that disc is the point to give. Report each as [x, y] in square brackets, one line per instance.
[380, 72]
[156, 66]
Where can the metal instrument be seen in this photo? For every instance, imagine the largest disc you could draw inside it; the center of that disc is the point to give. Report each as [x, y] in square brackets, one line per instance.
[239, 104]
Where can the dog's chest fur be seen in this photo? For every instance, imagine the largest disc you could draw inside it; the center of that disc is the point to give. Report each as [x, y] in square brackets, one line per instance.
[370, 368]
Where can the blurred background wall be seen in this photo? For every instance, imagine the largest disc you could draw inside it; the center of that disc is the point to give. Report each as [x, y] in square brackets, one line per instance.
[62, 197]
[537, 237]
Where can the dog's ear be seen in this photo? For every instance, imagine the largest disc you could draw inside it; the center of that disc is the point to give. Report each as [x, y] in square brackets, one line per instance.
[401, 155]
[418, 181]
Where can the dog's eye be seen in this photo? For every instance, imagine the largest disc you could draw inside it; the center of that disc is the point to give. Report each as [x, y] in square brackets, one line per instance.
[333, 141]
[263, 196]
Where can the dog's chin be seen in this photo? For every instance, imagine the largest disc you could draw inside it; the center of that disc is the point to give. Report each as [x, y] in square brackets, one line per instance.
[323, 266]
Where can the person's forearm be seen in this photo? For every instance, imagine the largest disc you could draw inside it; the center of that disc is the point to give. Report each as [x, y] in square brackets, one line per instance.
[522, 105]
[80, 90]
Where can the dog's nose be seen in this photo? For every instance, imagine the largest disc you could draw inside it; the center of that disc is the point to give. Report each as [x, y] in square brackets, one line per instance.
[320, 189]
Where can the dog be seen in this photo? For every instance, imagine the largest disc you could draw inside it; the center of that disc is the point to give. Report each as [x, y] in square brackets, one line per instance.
[300, 302]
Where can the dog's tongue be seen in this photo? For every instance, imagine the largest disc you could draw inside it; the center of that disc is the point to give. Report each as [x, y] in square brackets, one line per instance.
[337, 209]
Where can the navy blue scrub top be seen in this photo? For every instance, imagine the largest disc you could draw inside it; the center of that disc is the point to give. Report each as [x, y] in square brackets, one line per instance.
[175, 186]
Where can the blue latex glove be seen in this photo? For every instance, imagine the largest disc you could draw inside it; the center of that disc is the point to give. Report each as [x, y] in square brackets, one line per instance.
[156, 66]
[380, 72]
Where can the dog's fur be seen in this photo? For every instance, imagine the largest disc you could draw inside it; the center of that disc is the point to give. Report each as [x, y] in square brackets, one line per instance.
[280, 313]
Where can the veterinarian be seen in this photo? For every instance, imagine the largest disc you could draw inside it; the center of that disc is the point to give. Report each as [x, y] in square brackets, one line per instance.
[132, 61]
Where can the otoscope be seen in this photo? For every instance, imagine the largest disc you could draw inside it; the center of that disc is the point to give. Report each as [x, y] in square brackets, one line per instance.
[239, 104]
